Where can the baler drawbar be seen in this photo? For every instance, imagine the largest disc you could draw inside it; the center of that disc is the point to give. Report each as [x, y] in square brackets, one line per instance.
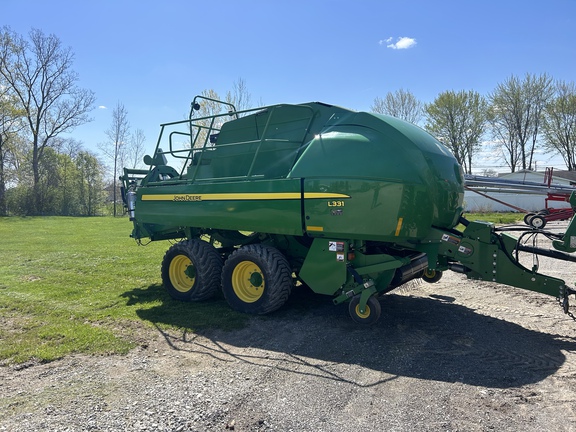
[350, 204]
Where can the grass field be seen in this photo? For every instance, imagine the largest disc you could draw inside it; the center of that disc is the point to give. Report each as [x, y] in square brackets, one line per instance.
[81, 285]
[497, 218]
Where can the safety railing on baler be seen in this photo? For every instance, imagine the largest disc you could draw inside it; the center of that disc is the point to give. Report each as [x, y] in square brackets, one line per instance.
[195, 143]
[203, 142]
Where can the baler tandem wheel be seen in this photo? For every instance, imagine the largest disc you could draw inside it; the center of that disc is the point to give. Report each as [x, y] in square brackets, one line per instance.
[256, 279]
[191, 270]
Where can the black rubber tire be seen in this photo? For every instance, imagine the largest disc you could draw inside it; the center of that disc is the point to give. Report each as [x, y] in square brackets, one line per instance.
[538, 221]
[528, 217]
[431, 276]
[256, 279]
[370, 316]
[197, 257]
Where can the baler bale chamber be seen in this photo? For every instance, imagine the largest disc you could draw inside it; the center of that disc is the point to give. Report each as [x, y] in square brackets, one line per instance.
[351, 204]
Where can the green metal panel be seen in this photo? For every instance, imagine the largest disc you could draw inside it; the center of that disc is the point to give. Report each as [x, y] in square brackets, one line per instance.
[263, 205]
[395, 154]
[264, 144]
[488, 256]
[324, 269]
[267, 159]
[368, 210]
[395, 184]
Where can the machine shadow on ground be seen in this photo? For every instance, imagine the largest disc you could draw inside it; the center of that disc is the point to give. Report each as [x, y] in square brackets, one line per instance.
[428, 338]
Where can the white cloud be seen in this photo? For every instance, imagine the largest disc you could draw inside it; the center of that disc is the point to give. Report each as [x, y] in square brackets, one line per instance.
[102, 107]
[401, 43]
[385, 41]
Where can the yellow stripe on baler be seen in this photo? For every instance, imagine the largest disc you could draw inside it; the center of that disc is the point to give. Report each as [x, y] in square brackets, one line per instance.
[241, 196]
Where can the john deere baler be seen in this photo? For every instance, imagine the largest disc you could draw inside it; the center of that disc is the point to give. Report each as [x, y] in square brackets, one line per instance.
[348, 203]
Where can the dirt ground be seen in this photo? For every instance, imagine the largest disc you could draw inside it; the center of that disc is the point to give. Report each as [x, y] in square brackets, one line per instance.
[457, 355]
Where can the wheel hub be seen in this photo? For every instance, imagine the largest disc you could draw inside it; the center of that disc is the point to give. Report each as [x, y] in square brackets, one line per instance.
[182, 273]
[190, 271]
[248, 281]
[366, 313]
[256, 279]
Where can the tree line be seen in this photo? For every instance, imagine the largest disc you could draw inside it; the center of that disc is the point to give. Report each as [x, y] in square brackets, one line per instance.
[39, 102]
[43, 173]
[521, 115]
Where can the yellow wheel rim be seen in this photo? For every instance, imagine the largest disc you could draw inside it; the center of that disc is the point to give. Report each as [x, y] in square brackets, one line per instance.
[366, 313]
[248, 282]
[429, 273]
[182, 273]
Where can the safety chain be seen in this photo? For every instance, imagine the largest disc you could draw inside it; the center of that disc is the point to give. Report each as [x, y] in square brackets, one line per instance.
[565, 302]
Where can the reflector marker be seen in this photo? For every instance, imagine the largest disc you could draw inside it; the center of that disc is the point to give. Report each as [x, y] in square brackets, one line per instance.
[399, 226]
[314, 228]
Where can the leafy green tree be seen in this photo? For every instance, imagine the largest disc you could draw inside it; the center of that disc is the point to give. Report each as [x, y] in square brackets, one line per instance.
[89, 183]
[19, 195]
[458, 119]
[71, 183]
[38, 72]
[68, 198]
[10, 125]
[18, 200]
[47, 191]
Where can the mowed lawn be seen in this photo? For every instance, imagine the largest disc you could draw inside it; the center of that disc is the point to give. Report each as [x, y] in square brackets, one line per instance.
[82, 285]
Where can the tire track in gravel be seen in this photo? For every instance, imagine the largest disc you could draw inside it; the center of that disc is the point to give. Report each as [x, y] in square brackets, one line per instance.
[418, 337]
[536, 312]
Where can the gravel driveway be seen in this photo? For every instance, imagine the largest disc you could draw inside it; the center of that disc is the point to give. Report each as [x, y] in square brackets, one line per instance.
[458, 355]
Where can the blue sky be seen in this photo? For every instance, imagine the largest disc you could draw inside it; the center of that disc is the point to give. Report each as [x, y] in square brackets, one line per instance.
[154, 56]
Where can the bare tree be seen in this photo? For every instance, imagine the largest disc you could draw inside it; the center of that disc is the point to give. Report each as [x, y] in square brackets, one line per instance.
[39, 74]
[207, 107]
[504, 133]
[401, 104]
[516, 114]
[559, 124]
[136, 148]
[203, 125]
[239, 96]
[458, 119]
[115, 148]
